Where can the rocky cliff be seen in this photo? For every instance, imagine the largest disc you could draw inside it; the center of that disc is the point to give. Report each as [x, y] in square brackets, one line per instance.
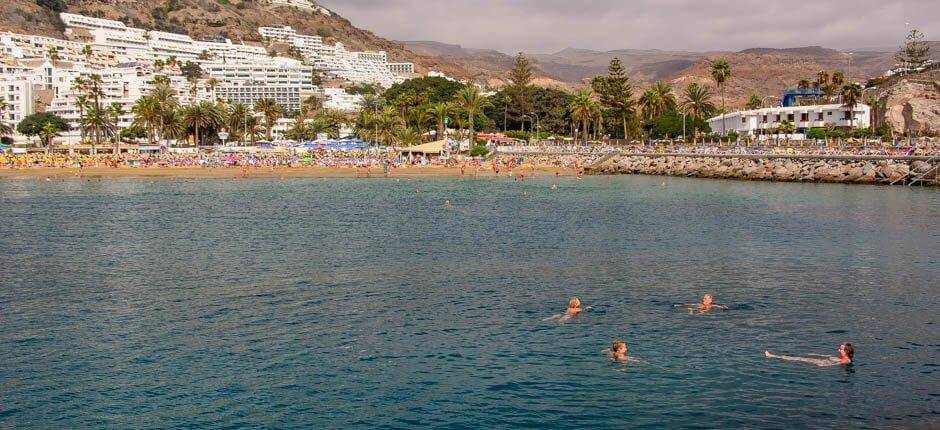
[910, 104]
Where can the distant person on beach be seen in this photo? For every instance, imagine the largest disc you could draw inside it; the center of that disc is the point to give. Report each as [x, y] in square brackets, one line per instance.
[618, 351]
[846, 353]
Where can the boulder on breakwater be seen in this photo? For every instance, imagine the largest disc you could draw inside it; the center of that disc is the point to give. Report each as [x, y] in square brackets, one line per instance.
[867, 170]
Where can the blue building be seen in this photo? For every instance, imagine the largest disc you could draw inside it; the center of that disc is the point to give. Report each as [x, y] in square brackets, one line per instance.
[793, 96]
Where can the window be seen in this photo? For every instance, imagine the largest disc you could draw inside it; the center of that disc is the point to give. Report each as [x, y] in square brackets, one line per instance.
[820, 117]
[743, 120]
[778, 119]
[804, 117]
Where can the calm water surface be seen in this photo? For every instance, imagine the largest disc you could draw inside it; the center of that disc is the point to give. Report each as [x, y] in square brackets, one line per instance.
[365, 304]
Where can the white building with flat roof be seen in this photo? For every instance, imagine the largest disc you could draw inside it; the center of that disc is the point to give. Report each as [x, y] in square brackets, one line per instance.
[401, 68]
[767, 120]
[339, 99]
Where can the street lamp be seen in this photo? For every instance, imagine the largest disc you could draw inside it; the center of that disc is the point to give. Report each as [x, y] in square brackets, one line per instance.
[523, 122]
[537, 120]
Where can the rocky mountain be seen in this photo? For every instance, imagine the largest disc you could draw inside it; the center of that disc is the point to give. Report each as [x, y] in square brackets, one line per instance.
[909, 103]
[209, 19]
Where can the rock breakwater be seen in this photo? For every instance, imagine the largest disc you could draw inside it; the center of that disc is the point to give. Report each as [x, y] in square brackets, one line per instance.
[862, 170]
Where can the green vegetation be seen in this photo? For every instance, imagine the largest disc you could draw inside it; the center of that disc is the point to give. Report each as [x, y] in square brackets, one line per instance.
[45, 125]
[427, 90]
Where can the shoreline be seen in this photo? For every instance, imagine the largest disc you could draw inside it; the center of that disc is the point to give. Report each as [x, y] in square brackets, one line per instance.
[313, 172]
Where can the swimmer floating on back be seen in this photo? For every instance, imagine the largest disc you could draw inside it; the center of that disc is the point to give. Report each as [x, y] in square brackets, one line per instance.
[846, 353]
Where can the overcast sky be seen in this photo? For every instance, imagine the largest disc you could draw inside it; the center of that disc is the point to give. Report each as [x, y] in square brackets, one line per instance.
[700, 25]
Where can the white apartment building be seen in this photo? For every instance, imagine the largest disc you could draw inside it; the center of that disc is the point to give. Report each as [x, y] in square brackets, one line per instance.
[87, 22]
[279, 34]
[339, 99]
[765, 121]
[302, 4]
[185, 48]
[17, 93]
[401, 68]
[127, 45]
[285, 80]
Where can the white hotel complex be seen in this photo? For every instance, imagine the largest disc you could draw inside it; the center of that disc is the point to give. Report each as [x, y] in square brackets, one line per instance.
[766, 121]
[37, 73]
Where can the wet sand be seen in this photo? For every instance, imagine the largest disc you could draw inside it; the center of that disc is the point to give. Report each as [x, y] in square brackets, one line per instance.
[34, 173]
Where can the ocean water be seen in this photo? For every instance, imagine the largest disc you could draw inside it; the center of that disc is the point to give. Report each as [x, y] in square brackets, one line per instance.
[369, 304]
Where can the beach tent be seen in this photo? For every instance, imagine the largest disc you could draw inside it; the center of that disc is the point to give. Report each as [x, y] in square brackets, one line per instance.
[428, 148]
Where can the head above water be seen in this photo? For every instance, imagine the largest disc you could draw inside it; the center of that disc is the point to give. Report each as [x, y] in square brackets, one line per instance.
[847, 350]
[574, 303]
[707, 299]
[619, 347]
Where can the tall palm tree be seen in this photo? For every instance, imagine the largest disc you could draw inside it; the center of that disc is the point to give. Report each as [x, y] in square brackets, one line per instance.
[471, 101]
[441, 112]
[53, 53]
[87, 52]
[649, 104]
[665, 96]
[838, 78]
[237, 120]
[211, 85]
[873, 103]
[583, 108]
[333, 120]
[803, 84]
[271, 112]
[147, 115]
[423, 117]
[115, 111]
[388, 124]
[82, 104]
[851, 95]
[696, 101]
[721, 72]
[97, 119]
[200, 116]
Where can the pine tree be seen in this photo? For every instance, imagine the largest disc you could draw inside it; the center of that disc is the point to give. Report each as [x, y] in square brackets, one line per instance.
[520, 89]
[616, 93]
[915, 52]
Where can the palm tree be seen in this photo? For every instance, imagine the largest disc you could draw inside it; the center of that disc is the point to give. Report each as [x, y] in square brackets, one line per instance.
[583, 108]
[271, 112]
[87, 52]
[803, 84]
[851, 95]
[505, 100]
[147, 114]
[441, 112]
[423, 117]
[471, 101]
[82, 103]
[786, 127]
[97, 119]
[648, 104]
[115, 111]
[721, 72]
[754, 102]
[49, 131]
[333, 121]
[387, 124]
[409, 136]
[201, 115]
[665, 96]
[873, 103]
[313, 103]
[236, 121]
[838, 78]
[696, 101]
[211, 85]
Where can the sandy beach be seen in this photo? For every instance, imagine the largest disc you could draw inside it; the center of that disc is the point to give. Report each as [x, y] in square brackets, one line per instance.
[34, 173]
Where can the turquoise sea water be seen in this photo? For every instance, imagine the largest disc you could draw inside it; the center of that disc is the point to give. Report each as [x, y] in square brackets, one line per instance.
[368, 304]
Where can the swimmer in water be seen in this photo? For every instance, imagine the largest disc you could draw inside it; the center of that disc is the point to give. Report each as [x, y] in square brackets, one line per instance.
[846, 353]
[554, 187]
[574, 307]
[446, 203]
[707, 305]
[618, 351]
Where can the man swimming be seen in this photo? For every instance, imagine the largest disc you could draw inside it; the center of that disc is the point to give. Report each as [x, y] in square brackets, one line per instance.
[618, 351]
[846, 353]
[707, 305]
